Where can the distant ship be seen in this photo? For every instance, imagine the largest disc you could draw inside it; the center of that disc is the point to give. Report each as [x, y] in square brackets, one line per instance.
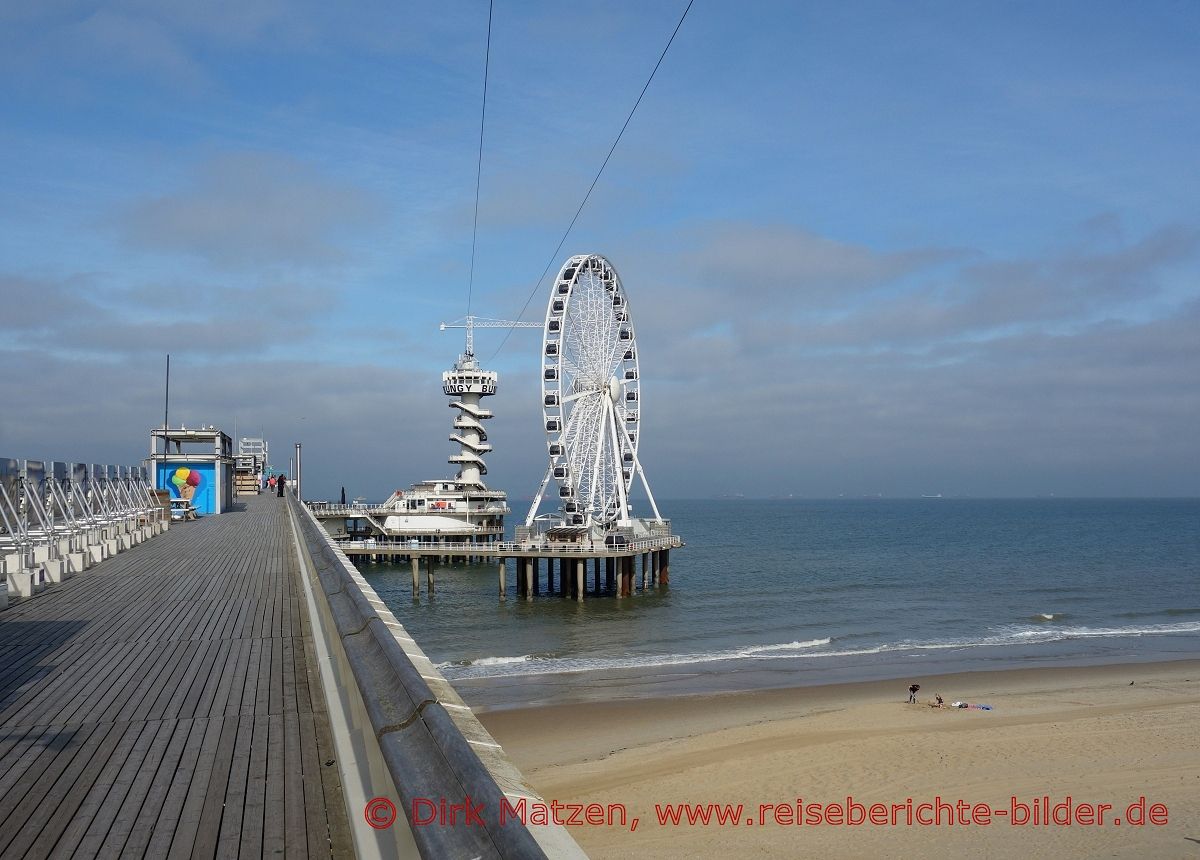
[924, 496]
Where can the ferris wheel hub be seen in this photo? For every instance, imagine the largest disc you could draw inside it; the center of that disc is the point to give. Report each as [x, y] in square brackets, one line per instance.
[614, 389]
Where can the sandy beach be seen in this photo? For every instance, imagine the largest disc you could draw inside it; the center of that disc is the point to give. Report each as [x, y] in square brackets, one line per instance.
[1088, 733]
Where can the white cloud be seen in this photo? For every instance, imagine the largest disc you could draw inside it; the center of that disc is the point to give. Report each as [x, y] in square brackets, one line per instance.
[251, 209]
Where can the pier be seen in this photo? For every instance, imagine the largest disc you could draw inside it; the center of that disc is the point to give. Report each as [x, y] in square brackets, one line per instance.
[575, 562]
[160, 704]
[234, 688]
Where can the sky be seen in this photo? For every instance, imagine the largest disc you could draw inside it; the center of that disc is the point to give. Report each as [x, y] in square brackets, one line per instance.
[870, 248]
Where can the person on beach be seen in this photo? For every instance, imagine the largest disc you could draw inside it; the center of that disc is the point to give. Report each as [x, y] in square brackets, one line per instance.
[937, 701]
[912, 693]
[279, 484]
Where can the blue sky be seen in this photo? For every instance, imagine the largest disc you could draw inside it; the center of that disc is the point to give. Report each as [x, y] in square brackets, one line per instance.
[877, 248]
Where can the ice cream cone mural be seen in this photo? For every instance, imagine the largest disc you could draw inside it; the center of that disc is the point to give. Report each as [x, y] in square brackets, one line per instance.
[186, 482]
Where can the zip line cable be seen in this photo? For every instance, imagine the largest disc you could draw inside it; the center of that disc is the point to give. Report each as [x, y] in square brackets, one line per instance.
[487, 56]
[592, 187]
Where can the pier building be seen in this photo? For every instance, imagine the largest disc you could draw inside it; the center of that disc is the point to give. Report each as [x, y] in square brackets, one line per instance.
[202, 472]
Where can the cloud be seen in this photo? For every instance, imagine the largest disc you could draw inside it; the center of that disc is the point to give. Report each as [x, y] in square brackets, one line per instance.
[780, 260]
[84, 315]
[138, 44]
[253, 209]
[1069, 371]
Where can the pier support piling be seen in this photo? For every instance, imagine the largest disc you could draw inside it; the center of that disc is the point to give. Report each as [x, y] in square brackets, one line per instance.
[416, 572]
[503, 569]
[580, 573]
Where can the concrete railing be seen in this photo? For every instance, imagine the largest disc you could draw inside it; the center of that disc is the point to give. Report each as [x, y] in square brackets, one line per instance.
[402, 731]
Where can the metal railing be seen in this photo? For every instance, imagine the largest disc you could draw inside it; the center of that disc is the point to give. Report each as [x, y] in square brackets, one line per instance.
[508, 547]
[52, 514]
[328, 509]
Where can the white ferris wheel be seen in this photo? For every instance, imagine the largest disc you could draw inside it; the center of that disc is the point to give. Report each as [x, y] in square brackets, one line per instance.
[591, 396]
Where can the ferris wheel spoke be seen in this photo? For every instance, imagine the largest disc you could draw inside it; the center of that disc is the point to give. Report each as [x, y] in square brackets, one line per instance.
[570, 398]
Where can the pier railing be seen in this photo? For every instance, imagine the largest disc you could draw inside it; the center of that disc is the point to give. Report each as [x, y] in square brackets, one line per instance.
[405, 727]
[507, 548]
[331, 509]
[57, 519]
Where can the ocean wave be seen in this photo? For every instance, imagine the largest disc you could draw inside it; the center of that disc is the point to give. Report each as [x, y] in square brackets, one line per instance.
[812, 649]
[499, 661]
[1048, 616]
[790, 646]
[539, 664]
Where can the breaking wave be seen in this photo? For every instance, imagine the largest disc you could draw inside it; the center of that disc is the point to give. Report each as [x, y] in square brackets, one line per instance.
[811, 649]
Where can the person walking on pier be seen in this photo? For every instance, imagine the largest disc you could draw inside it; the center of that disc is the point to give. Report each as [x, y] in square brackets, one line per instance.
[279, 484]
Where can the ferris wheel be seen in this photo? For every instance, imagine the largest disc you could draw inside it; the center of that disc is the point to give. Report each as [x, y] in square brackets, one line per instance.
[591, 396]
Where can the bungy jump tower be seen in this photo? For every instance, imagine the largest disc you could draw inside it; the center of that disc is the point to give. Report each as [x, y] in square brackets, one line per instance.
[461, 510]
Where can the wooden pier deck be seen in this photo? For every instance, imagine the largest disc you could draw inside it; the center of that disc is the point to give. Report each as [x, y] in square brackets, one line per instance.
[166, 704]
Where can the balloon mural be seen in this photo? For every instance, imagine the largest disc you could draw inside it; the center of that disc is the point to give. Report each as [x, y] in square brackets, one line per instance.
[186, 482]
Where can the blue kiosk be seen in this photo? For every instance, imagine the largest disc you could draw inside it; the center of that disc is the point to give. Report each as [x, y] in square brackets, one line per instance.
[196, 465]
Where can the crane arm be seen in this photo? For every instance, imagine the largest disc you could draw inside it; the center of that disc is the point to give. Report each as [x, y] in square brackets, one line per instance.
[472, 322]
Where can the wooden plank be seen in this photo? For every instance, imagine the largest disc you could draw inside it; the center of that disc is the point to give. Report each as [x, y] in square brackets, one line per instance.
[99, 779]
[255, 811]
[163, 704]
[278, 813]
[207, 827]
[314, 787]
[109, 828]
[51, 819]
[234, 805]
[185, 737]
[17, 807]
[175, 829]
[114, 844]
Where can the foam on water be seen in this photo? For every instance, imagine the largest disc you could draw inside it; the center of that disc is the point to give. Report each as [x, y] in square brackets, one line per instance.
[812, 649]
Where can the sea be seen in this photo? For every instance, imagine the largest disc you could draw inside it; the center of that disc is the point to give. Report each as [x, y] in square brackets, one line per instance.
[781, 593]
